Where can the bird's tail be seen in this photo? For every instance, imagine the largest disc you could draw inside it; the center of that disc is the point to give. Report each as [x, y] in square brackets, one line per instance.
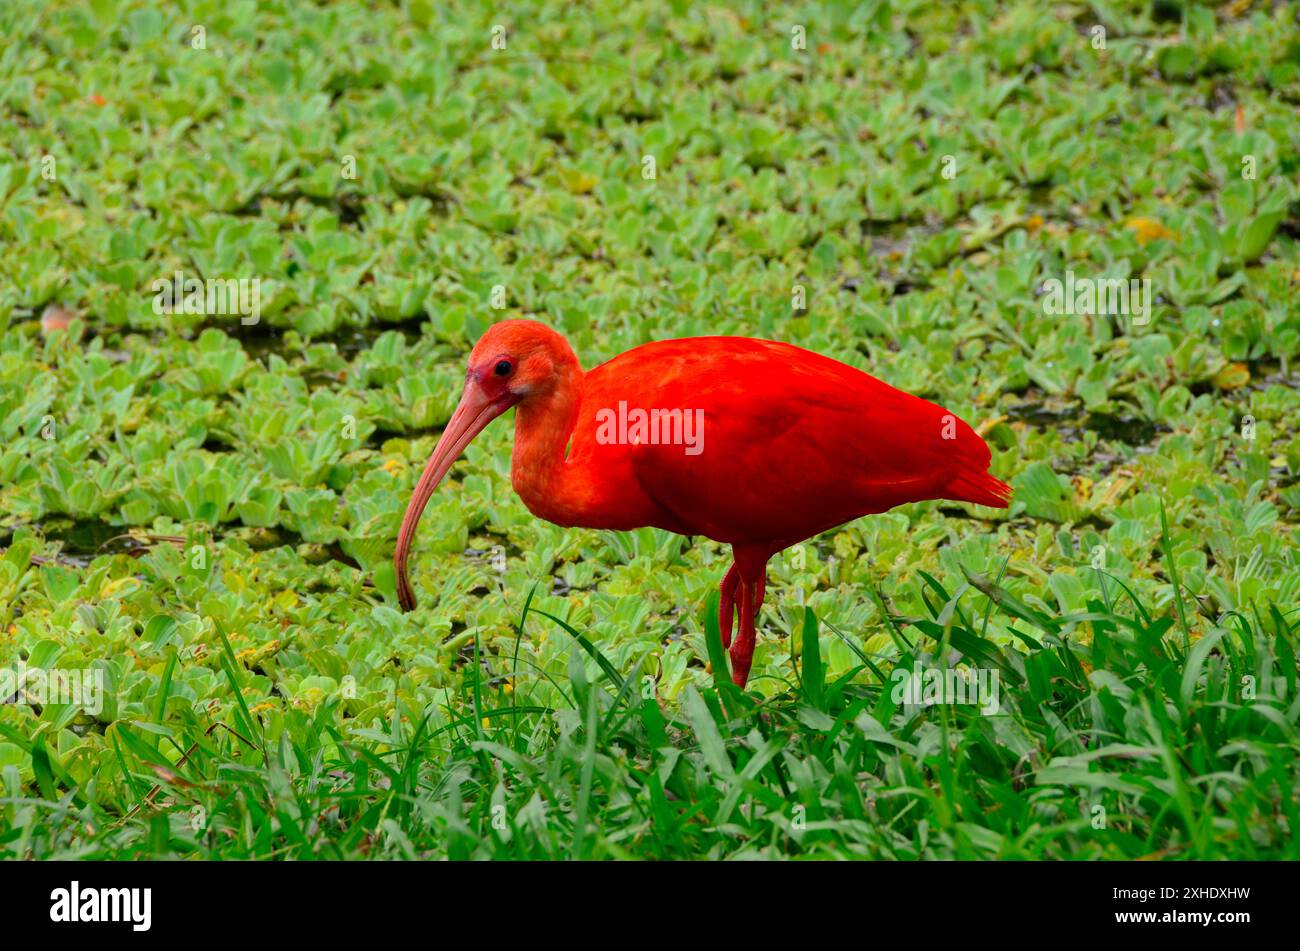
[978, 487]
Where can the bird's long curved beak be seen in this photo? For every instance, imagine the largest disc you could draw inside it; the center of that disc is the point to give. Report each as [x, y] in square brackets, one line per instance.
[475, 411]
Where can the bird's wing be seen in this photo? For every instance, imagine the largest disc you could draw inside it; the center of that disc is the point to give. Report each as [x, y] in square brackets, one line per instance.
[790, 442]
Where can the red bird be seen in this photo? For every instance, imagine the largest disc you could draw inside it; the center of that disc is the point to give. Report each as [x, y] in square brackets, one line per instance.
[752, 443]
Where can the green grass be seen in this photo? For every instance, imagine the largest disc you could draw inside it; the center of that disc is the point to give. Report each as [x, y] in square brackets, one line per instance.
[1115, 745]
[204, 512]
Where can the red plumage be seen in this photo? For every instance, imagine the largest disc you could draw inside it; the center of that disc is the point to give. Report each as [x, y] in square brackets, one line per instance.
[787, 444]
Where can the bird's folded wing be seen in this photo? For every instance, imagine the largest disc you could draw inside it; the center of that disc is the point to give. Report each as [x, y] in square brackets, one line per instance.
[790, 442]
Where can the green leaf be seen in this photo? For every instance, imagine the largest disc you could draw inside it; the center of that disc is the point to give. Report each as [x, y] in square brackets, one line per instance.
[814, 674]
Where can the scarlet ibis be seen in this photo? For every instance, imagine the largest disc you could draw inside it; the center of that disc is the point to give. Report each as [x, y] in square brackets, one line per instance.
[753, 443]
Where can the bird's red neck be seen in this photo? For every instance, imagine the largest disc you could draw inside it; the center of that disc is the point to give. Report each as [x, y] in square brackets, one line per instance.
[544, 423]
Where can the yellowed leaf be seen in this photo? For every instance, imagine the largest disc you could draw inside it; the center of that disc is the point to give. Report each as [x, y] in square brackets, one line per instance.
[577, 181]
[1233, 376]
[1148, 230]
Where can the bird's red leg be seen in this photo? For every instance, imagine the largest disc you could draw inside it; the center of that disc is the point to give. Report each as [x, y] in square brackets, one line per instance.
[742, 652]
[727, 603]
[752, 565]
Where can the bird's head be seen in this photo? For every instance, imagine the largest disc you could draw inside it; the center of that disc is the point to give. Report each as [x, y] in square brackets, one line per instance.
[514, 362]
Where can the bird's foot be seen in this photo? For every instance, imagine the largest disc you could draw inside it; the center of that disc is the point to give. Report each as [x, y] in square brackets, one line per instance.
[742, 656]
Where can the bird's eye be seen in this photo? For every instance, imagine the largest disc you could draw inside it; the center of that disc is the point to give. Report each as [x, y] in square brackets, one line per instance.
[503, 368]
